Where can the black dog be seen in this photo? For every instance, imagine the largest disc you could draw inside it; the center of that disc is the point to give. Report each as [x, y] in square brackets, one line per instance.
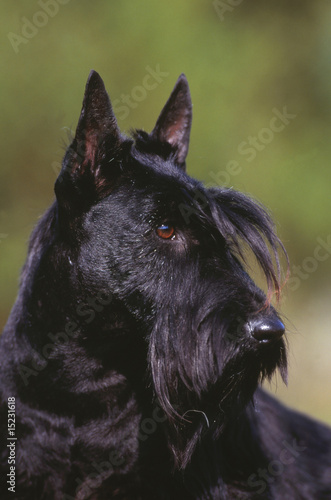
[131, 361]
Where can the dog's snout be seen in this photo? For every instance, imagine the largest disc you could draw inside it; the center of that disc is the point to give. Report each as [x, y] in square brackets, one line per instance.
[266, 329]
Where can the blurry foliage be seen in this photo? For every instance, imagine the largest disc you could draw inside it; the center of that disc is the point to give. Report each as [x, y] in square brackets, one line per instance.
[261, 56]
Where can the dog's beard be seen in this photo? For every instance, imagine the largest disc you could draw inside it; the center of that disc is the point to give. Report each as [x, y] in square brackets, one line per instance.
[204, 377]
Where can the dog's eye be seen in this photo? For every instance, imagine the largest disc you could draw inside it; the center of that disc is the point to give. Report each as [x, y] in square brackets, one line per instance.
[165, 231]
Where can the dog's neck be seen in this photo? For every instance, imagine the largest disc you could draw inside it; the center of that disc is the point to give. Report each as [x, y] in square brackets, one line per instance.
[228, 461]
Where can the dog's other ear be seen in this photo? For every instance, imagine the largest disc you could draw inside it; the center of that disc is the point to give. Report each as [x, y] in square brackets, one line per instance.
[97, 133]
[174, 123]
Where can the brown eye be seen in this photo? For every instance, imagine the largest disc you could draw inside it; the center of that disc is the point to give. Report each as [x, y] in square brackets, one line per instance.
[166, 232]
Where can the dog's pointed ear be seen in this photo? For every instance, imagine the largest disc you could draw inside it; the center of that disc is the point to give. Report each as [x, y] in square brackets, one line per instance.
[97, 135]
[96, 119]
[174, 123]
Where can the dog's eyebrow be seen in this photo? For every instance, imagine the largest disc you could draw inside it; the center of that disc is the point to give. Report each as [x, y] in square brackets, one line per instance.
[241, 218]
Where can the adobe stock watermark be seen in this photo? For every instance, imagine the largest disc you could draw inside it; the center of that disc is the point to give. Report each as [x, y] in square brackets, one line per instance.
[102, 470]
[99, 473]
[309, 265]
[87, 311]
[30, 27]
[252, 146]
[223, 6]
[288, 455]
[123, 105]
[249, 149]
[126, 102]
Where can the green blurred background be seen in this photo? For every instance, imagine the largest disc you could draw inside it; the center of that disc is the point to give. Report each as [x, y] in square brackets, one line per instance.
[245, 63]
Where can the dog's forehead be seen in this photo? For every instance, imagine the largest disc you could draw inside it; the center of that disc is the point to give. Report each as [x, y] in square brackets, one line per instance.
[163, 173]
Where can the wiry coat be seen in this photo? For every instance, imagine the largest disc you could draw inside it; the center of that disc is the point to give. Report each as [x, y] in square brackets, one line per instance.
[138, 340]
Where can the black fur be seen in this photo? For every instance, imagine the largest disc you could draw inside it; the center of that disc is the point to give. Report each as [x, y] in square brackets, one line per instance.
[138, 340]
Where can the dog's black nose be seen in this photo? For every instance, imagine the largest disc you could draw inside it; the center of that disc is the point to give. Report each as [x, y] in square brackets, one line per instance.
[266, 329]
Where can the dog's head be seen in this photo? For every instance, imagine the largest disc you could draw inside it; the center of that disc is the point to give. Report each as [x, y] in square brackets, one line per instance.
[172, 253]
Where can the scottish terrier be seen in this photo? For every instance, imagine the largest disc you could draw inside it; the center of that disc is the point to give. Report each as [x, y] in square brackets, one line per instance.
[132, 358]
